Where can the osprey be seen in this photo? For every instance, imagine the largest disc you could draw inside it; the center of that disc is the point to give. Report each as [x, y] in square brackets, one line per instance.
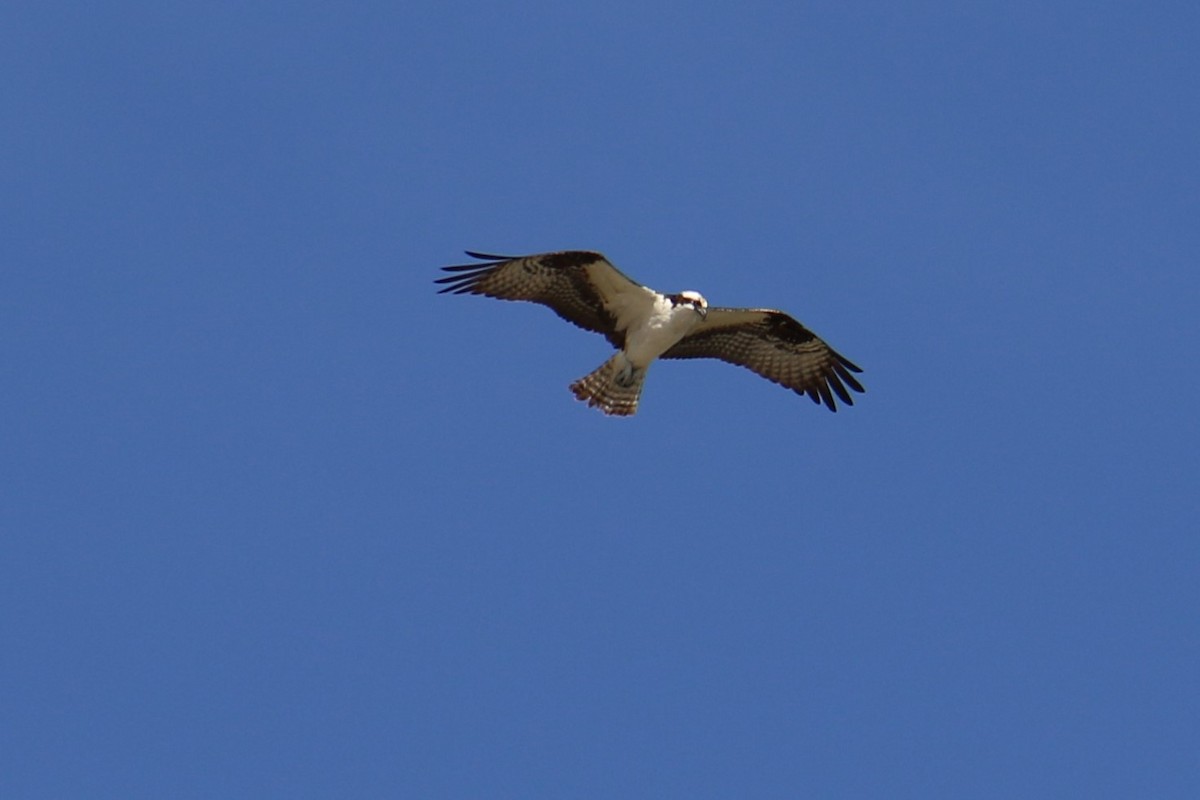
[585, 289]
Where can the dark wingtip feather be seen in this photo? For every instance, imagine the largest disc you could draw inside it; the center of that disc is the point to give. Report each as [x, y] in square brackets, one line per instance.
[464, 267]
[465, 278]
[488, 256]
[847, 363]
[840, 390]
[841, 370]
[827, 396]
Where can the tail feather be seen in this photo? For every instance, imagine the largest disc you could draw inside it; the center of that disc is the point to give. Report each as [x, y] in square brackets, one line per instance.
[614, 387]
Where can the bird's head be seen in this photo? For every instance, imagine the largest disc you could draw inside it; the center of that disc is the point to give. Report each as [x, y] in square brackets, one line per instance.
[696, 301]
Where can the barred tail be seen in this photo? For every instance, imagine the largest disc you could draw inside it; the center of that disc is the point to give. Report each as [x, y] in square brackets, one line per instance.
[614, 388]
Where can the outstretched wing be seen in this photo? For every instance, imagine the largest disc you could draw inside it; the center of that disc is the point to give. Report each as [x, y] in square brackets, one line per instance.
[580, 286]
[775, 346]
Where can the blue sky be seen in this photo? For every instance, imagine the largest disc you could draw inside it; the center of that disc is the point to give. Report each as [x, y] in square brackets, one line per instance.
[279, 521]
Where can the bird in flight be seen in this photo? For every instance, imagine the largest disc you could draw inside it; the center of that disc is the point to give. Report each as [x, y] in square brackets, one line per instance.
[585, 289]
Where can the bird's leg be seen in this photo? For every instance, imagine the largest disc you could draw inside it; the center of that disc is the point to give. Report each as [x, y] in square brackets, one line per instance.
[626, 377]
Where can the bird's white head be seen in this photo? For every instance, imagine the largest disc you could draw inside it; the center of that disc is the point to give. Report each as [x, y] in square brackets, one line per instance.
[696, 300]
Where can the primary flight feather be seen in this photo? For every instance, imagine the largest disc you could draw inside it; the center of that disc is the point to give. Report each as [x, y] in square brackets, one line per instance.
[585, 289]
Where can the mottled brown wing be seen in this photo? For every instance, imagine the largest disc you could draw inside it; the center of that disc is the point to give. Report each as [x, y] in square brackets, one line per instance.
[567, 282]
[775, 346]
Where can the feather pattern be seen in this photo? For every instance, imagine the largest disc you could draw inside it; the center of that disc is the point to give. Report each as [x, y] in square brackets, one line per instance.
[777, 347]
[568, 282]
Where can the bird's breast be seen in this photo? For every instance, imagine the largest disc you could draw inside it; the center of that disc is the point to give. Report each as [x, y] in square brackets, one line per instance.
[659, 332]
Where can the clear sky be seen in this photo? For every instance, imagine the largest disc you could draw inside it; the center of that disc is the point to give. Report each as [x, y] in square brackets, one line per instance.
[277, 520]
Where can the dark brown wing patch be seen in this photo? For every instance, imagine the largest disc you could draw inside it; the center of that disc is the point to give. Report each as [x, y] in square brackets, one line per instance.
[777, 347]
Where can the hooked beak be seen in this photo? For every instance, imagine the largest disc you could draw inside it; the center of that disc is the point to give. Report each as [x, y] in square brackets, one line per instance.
[702, 311]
